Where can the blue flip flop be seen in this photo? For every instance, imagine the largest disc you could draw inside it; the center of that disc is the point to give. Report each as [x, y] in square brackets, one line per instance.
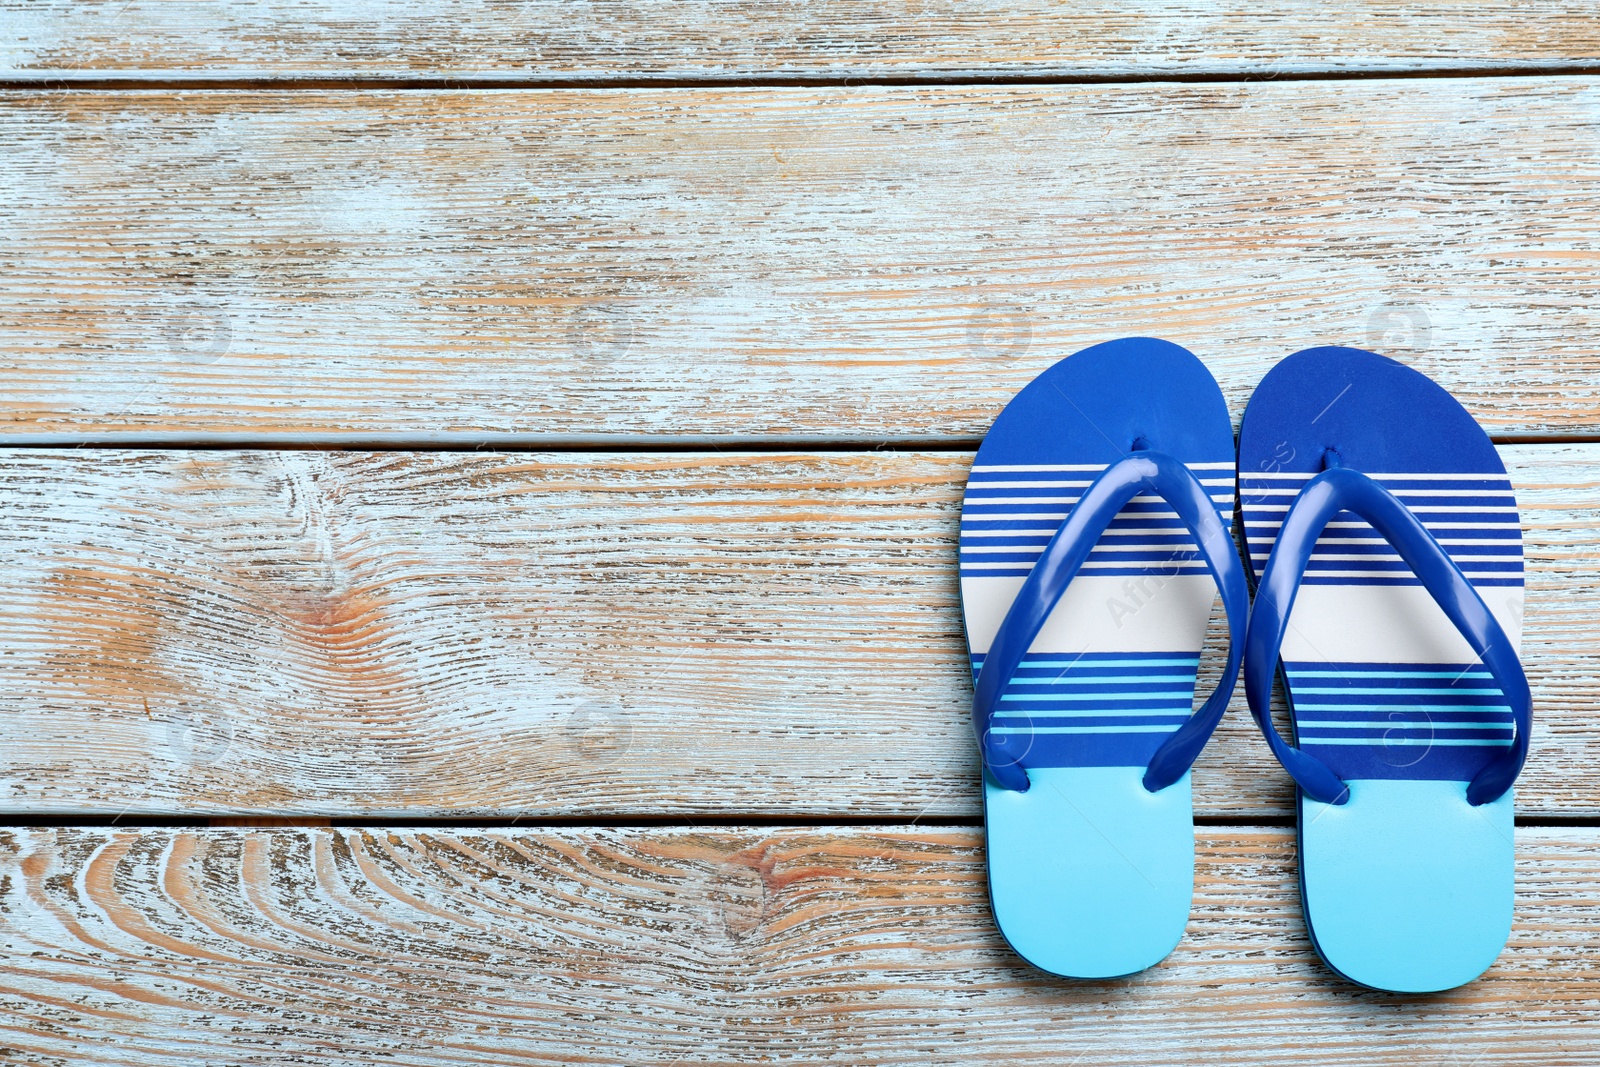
[1094, 535]
[1384, 532]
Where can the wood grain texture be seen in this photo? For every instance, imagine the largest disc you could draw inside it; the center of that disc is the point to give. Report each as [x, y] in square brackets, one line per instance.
[265, 39]
[671, 946]
[404, 634]
[839, 263]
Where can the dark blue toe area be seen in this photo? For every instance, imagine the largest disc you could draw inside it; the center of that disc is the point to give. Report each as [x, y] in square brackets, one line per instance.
[1094, 408]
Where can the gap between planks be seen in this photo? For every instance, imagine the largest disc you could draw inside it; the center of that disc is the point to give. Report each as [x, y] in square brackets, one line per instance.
[964, 79]
[516, 442]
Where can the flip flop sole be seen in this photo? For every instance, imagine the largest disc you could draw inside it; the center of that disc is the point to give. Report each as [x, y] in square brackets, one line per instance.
[1405, 887]
[1090, 874]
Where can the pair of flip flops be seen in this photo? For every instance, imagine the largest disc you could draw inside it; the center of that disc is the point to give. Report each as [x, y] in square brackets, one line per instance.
[1384, 544]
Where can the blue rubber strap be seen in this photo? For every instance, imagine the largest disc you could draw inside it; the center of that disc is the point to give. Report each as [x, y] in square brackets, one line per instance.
[1140, 472]
[1342, 489]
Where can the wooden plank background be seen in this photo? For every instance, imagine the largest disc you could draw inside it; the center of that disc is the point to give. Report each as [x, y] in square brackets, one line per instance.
[849, 945]
[839, 263]
[256, 233]
[445, 633]
[745, 39]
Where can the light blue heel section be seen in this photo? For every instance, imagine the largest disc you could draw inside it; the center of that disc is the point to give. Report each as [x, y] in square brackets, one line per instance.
[1090, 874]
[1407, 887]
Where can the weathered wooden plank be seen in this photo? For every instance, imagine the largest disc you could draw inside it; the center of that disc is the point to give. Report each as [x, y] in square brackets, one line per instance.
[668, 946]
[341, 634]
[841, 262]
[482, 40]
